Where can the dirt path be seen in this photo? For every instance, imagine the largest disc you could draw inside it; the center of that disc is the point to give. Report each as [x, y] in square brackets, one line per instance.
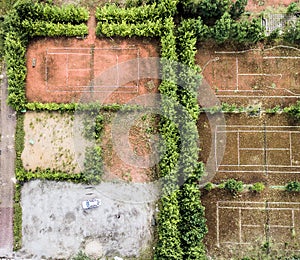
[7, 158]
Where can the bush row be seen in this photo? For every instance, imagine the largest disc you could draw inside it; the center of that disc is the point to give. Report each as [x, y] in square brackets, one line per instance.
[29, 19]
[169, 244]
[48, 174]
[17, 219]
[233, 186]
[193, 223]
[112, 13]
[50, 29]
[27, 9]
[145, 29]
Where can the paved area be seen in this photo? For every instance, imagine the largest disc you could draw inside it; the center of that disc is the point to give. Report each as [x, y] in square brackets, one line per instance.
[56, 226]
[7, 158]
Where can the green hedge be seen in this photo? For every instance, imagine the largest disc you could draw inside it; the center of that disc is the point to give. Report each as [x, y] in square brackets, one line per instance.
[50, 29]
[145, 29]
[27, 20]
[27, 9]
[17, 220]
[24, 176]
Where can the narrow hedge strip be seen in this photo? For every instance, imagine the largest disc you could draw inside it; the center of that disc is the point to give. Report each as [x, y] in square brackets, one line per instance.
[50, 29]
[24, 176]
[19, 140]
[123, 29]
[112, 13]
[15, 50]
[193, 223]
[17, 219]
[28, 9]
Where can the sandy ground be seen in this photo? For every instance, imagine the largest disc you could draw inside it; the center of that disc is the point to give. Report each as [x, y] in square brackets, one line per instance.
[55, 225]
[50, 142]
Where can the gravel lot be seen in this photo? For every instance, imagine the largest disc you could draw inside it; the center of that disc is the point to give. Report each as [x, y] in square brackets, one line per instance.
[56, 226]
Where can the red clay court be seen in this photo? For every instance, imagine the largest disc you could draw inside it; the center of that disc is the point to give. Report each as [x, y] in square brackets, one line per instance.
[109, 70]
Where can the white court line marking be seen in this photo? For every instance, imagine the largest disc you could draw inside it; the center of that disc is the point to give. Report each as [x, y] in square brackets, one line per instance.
[238, 146]
[291, 152]
[236, 88]
[81, 89]
[281, 57]
[256, 129]
[238, 206]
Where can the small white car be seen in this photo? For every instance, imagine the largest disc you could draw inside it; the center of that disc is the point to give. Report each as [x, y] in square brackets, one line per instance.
[89, 204]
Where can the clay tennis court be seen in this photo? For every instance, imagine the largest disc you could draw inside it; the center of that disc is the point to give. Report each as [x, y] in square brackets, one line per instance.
[264, 148]
[270, 75]
[72, 70]
[240, 227]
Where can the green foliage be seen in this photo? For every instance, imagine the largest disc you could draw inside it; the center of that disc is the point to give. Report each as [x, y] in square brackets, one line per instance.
[291, 33]
[48, 174]
[145, 29]
[234, 186]
[292, 8]
[19, 141]
[293, 110]
[61, 107]
[293, 186]
[193, 223]
[246, 32]
[112, 13]
[27, 9]
[29, 19]
[43, 28]
[17, 220]
[93, 165]
[93, 125]
[15, 50]
[208, 10]
[237, 8]
[168, 245]
[209, 186]
[257, 187]
[81, 256]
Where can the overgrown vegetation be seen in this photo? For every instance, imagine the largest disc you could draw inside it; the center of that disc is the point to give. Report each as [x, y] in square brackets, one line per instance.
[17, 221]
[293, 186]
[26, 20]
[233, 186]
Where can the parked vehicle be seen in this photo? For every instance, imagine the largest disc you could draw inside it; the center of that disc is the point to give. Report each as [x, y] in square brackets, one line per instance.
[89, 204]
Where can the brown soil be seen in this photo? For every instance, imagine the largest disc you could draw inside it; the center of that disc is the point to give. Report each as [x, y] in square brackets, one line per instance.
[243, 225]
[260, 5]
[243, 77]
[73, 70]
[122, 157]
[268, 148]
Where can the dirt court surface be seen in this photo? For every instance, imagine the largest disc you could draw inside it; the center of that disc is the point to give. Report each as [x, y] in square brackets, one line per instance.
[130, 153]
[269, 75]
[73, 70]
[260, 5]
[55, 225]
[264, 148]
[56, 141]
[50, 142]
[245, 225]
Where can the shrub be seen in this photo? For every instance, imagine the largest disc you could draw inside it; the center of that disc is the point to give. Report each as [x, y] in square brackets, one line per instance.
[293, 186]
[257, 187]
[209, 186]
[234, 186]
